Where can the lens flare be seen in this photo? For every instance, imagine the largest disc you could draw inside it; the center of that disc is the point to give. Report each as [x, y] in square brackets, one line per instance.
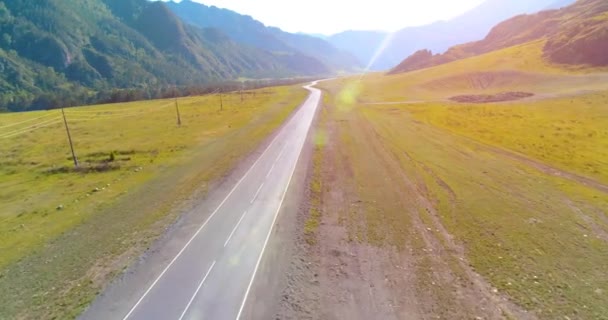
[321, 138]
[380, 50]
[349, 95]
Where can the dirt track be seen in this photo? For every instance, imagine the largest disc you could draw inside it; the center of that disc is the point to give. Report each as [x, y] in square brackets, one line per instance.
[373, 257]
[488, 98]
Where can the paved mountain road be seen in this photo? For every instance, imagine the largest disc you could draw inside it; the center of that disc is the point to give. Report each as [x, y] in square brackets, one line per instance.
[210, 277]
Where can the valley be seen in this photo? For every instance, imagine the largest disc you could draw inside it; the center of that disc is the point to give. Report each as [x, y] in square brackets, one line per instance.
[66, 232]
[424, 208]
[456, 168]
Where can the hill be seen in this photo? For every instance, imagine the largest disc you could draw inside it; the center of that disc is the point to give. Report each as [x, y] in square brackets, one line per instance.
[60, 50]
[576, 35]
[439, 36]
[246, 30]
[497, 197]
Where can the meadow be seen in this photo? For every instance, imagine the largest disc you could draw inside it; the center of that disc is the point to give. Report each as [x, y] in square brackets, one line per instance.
[569, 133]
[65, 231]
[495, 190]
[518, 68]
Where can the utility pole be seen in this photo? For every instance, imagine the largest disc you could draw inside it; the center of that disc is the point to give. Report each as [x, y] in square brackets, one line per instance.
[67, 129]
[242, 92]
[221, 102]
[179, 117]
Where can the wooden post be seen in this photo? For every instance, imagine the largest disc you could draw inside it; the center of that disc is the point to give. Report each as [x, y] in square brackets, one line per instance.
[67, 129]
[179, 117]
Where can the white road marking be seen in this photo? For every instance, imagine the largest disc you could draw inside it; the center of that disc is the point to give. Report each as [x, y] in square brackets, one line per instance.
[270, 171]
[280, 155]
[201, 228]
[200, 285]
[275, 161]
[293, 170]
[233, 230]
[257, 193]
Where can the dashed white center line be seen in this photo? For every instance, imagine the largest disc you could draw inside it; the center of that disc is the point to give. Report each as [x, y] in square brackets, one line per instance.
[257, 193]
[275, 161]
[200, 285]
[233, 230]
[315, 94]
[280, 154]
[270, 171]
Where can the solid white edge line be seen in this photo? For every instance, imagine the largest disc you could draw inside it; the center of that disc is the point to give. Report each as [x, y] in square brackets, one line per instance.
[257, 193]
[200, 285]
[293, 170]
[234, 229]
[202, 227]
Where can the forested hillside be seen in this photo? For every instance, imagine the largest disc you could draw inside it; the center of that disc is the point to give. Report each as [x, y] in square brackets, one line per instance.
[246, 30]
[58, 52]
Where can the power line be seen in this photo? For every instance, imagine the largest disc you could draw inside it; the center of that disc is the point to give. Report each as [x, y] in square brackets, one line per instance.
[19, 132]
[26, 121]
[114, 114]
[116, 110]
[31, 126]
[117, 115]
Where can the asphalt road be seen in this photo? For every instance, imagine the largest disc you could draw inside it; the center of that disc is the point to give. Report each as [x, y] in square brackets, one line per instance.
[211, 276]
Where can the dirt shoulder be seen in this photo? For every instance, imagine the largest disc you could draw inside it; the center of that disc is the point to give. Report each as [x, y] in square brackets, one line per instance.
[407, 221]
[372, 256]
[488, 98]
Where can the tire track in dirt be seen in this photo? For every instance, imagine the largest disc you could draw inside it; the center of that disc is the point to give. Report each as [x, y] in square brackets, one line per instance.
[395, 267]
[473, 293]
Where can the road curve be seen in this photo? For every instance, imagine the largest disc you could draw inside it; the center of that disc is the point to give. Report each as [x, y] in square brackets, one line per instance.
[211, 275]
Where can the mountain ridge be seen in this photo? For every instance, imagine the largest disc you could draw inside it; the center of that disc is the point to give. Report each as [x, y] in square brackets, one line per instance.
[64, 50]
[246, 30]
[437, 36]
[575, 35]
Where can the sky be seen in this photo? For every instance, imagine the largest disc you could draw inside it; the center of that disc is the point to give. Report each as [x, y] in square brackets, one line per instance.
[333, 16]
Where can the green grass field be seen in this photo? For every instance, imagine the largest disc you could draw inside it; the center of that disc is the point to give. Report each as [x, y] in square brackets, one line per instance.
[568, 133]
[427, 171]
[64, 232]
[519, 68]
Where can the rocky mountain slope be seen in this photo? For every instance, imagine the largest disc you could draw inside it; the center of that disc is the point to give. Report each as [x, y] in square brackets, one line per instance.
[576, 35]
[437, 37]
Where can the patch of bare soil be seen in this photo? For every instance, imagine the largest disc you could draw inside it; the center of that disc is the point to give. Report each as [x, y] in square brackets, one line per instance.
[485, 80]
[374, 257]
[488, 98]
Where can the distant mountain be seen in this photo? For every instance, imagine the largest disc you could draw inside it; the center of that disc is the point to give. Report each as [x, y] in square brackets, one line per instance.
[439, 36]
[246, 30]
[337, 60]
[60, 48]
[316, 35]
[363, 44]
[577, 34]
